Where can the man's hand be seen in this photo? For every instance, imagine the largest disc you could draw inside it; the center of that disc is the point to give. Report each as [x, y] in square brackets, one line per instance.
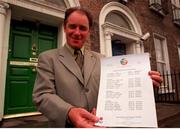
[81, 118]
[156, 78]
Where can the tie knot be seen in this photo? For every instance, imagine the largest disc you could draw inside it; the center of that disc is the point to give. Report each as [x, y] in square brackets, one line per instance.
[77, 52]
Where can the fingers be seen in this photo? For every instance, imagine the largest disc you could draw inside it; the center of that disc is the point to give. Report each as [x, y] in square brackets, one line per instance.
[90, 116]
[156, 84]
[154, 73]
[156, 78]
[82, 118]
[93, 111]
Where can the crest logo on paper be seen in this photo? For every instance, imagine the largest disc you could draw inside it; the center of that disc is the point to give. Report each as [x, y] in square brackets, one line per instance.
[123, 61]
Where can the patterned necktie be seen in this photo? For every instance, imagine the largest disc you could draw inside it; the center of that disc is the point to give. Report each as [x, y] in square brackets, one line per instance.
[79, 58]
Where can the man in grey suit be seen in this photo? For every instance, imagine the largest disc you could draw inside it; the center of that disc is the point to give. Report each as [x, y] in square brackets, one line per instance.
[65, 92]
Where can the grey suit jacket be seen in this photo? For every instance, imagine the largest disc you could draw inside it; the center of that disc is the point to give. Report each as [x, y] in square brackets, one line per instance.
[60, 85]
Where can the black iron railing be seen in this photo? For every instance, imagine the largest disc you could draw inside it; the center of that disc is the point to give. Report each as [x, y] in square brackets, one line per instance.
[169, 91]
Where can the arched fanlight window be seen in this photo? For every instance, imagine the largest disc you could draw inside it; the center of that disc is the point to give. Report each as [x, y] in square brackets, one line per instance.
[118, 19]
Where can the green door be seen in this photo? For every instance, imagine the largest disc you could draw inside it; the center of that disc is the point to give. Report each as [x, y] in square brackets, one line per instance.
[27, 41]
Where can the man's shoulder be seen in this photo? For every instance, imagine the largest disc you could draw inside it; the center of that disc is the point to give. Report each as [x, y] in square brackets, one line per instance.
[50, 53]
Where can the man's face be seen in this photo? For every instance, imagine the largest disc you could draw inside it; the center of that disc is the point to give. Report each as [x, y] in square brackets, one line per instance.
[76, 29]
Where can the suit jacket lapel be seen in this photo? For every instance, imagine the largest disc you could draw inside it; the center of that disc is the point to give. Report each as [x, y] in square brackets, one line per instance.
[67, 59]
[89, 62]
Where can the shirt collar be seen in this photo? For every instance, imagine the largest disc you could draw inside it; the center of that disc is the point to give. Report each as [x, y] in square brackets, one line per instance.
[72, 49]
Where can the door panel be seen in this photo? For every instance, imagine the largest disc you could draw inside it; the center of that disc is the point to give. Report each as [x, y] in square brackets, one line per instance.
[27, 41]
[18, 98]
[45, 44]
[21, 45]
[18, 90]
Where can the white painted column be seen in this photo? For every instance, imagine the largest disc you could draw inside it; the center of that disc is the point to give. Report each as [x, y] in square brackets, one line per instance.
[61, 36]
[108, 44]
[3, 11]
[139, 47]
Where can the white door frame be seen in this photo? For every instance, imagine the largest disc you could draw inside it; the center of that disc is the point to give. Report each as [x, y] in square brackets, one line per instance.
[107, 30]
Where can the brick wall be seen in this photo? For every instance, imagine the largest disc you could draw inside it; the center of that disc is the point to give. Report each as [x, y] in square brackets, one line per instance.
[149, 21]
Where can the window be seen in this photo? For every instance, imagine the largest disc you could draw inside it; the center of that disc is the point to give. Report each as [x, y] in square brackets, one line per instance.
[179, 51]
[161, 50]
[176, 3]
[176, 11]
[161, 64]
[157, 6]
[158, 2]
[162, 60]
[119, 19]
[123, 1]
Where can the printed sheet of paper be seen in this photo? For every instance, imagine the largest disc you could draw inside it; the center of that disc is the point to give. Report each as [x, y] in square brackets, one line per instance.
[126, 97]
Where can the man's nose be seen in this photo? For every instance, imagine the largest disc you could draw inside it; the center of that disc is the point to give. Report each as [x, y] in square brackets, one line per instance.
[77, 31]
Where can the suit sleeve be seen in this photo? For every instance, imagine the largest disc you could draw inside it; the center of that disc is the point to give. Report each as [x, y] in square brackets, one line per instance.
[44, 93]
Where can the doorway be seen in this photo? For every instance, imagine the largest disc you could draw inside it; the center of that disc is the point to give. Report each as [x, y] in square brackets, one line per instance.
[27, 40]
[118, 48]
